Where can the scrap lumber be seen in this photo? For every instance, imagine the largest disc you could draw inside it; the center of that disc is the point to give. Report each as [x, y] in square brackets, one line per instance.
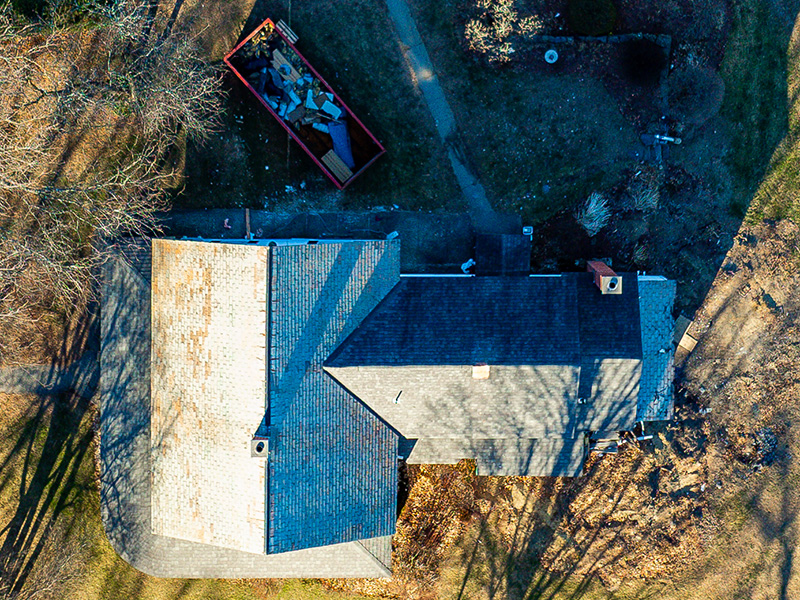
[279, 60]
[336, 166]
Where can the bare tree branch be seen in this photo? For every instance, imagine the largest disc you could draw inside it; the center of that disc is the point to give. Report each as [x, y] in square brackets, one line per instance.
[89, 119]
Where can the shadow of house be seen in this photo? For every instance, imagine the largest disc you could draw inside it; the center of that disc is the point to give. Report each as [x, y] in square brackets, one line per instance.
[327, 355]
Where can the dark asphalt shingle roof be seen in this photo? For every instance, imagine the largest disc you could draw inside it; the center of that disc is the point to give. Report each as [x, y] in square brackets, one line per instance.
[465, 321]
[656, 394]
[608, 325]
[549, 341]
[332, 464]
[138, 254]
[502, 254]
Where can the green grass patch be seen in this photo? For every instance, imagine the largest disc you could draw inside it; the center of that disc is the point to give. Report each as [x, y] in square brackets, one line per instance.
[755, 72]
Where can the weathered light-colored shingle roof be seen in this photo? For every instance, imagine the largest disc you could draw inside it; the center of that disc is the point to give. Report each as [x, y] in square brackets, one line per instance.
[331, 474]
[208, 392]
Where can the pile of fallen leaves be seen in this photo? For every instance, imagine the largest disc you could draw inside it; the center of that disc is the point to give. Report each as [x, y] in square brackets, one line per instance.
[639, 514]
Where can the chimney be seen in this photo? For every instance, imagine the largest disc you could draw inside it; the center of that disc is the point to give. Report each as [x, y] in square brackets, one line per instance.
[604, 278]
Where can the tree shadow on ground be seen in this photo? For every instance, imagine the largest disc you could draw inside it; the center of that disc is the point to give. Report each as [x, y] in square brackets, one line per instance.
[52, 447]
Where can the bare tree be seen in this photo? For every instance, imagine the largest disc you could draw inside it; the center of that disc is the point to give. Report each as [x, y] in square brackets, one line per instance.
[90, 119]
[56, 567]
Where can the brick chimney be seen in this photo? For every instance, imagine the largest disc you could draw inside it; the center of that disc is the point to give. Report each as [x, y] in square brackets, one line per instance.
[605, 279]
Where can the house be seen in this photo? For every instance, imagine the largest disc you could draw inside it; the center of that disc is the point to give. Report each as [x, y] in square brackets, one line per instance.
[256, 397]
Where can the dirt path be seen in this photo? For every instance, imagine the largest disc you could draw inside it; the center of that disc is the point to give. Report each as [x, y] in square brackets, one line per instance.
[483, 216]
[81, 377]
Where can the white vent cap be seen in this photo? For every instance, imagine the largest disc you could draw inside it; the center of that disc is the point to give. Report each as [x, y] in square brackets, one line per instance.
[480, 372]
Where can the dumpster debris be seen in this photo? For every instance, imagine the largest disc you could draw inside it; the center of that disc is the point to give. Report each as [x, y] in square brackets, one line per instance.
[314, 116]
[281, 78]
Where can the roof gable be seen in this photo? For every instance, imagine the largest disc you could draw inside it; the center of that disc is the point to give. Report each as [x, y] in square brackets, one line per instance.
[332, 465]
[562, 357]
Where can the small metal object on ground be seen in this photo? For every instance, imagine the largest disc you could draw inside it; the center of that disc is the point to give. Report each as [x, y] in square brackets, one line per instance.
[550, 57]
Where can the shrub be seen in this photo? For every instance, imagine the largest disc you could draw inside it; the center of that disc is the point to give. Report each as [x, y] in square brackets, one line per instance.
[695, 94]
[488, 32]
[594, 214]
[644, 195]
[592, 17]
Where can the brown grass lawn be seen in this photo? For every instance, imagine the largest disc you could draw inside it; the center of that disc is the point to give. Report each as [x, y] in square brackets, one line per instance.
[699, 513]
[52, 543]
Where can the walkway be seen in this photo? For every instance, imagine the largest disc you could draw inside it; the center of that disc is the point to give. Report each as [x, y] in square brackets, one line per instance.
[81, 377]
[483, 216]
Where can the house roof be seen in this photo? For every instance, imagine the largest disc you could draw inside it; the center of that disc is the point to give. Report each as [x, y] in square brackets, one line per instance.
[331, 473]
[550, 456]
[434, 321]
[125, 457]
[326, 350]
[656, 298]
[333, 463]
[208, 392]
[550, 343]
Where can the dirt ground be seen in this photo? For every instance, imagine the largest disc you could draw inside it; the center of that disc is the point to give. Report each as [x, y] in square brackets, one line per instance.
[252, 162]
[744, 373]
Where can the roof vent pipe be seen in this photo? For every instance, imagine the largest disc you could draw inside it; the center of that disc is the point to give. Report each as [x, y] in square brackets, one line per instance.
[481, 371]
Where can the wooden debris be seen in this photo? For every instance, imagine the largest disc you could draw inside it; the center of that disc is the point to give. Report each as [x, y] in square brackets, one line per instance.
[336, 166]
[278, 60]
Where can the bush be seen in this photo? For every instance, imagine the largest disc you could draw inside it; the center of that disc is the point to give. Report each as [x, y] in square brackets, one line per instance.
[644, 194]
[592, 17]
[594, 215]
[488, 32]
[695, 94]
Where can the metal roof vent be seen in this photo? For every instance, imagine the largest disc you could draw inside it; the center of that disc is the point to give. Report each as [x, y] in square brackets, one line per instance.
[604, 278]
[480, 371]
[259, 447]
